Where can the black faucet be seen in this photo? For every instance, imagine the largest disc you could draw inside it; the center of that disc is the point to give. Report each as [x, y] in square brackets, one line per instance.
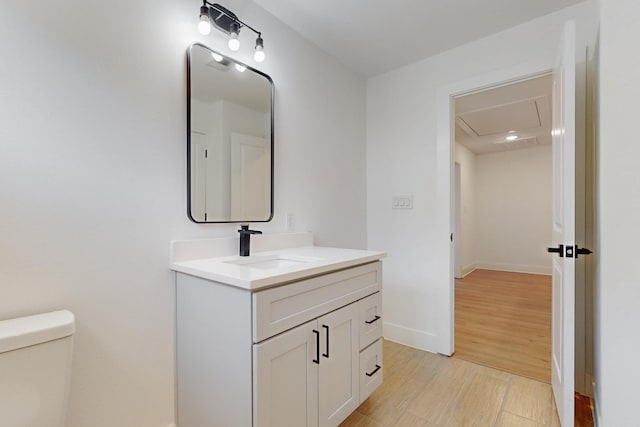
[245, 239]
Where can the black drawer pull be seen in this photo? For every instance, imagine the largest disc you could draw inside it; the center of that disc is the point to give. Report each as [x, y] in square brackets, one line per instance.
[317, 359]
[375, 319]
[374, 371]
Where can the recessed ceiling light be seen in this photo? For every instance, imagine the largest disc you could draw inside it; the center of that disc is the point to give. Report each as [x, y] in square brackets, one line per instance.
[511, 137]
[512, 131]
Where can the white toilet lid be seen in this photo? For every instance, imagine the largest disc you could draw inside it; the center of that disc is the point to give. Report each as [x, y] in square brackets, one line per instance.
[31, 330]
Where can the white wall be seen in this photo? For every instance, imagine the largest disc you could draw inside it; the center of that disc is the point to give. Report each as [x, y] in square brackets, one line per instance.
[402, 159]
[468, 210]
[513, 210]
[93, 178]
[618, 208]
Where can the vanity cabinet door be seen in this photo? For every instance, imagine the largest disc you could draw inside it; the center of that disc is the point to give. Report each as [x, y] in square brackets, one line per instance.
[285, 392]
[339, 357]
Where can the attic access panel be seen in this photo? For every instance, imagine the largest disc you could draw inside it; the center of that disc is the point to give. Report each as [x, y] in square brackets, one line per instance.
[503, 118]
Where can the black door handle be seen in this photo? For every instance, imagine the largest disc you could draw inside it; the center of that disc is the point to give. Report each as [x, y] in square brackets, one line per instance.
[582, 251]
[569, 251]
[559, 250]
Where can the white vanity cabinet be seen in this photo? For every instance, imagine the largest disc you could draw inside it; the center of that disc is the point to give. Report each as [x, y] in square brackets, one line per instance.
[304, 353]
[309, 376]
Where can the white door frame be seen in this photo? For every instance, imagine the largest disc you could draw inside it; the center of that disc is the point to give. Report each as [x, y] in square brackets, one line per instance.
[457, 229]
[445, 179]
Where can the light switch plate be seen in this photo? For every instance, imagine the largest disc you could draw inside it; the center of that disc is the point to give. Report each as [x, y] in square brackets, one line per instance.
[402, 202]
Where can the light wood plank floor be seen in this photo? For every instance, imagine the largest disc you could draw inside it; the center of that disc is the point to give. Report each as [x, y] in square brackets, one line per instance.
[426, 389]
[503, 320]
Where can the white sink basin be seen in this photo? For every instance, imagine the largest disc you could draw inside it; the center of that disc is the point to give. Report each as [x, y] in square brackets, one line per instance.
[273, 261]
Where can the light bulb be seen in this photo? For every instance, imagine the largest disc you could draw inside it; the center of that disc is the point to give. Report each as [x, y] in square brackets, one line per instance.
[204, 26]
[258, 55]
[241, 67]
[234, 43]
[217, 57]
[511, 137]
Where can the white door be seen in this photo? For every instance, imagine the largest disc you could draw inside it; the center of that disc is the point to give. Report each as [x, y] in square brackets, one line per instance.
[250, 177]
[563, 228]
[285, 382]
[338, 372]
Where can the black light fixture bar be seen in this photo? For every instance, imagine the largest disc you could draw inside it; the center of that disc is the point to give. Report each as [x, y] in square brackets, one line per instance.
[226, 25]
[227, 22]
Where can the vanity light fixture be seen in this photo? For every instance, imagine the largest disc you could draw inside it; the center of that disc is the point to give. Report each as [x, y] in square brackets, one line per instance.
[227, 22]
[511, 137]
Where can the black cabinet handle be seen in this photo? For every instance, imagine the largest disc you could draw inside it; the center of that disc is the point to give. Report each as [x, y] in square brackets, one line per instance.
[374, 371]
[375, 319]
[326, 328]
[317, 359]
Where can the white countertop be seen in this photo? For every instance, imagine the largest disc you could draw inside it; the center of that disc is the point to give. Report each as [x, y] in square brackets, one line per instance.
[269, 268]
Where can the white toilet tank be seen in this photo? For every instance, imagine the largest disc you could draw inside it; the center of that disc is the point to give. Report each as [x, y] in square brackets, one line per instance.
[35, 369]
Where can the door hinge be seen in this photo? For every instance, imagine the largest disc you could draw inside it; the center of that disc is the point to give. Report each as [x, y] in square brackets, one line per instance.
[206, 154]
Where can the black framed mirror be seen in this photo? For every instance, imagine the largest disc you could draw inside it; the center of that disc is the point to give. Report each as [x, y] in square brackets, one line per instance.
[229, 139]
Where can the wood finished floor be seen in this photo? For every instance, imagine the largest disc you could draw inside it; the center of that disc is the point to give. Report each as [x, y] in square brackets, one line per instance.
[503, 321]
[422, 389]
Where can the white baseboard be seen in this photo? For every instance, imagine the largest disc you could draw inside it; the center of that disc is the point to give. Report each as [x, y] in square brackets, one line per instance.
[410, 337]
[515, 268]
[467, 269]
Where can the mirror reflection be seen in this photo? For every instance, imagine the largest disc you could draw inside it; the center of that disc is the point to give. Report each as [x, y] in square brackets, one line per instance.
[229, 139]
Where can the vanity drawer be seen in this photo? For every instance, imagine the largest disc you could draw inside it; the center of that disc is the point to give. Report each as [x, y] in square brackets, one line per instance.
[370, 319]
[370, 369]
[278, 309]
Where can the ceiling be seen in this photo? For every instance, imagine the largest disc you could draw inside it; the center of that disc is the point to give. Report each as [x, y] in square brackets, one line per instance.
[521, 110]
[373, 36]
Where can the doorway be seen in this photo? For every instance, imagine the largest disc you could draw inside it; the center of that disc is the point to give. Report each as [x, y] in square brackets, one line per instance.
[502, 204]
[568, 189]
